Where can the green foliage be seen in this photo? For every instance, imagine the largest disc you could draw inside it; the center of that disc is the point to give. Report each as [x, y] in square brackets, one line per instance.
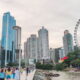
[60, 66]
[44, 66]
[12, 64]
[23, 64]
[16, 64]
[74, 58]
[76, 62]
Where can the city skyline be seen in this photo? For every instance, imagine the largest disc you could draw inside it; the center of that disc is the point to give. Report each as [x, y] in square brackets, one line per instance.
[54, 15]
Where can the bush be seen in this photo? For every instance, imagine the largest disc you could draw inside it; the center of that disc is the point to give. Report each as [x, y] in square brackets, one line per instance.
[44, 66]
[23, 64]
[60, 66]
[12, 64]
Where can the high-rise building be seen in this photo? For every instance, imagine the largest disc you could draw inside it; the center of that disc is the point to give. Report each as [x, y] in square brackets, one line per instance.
[37, 47]
[8, 38]
[57, 55]
[43, 44]
[61, 53]
[31, 48]
[67, 42]
[18, 50]
[52, 54]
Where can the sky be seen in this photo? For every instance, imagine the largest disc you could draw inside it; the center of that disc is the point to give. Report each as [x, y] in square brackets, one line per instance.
[55, 15]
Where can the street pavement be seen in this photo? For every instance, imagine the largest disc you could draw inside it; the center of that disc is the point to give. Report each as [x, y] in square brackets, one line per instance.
[29, 76]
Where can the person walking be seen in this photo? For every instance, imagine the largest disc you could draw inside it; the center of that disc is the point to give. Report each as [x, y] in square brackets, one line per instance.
[27, 70]
[5, 72]
[2, 74]
[13, 74]
[8, 74]
[17, 74]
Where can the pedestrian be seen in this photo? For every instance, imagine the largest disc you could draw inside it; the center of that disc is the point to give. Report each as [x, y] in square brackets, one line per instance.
[27, 70]
[8, 74]
[13, 74]
[2, 74]
[21, 70]
[5, 72]
[17, 74]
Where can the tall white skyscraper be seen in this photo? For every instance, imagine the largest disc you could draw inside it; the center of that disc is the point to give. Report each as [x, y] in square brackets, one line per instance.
[43, 44]
[67, 42]
[30, 47]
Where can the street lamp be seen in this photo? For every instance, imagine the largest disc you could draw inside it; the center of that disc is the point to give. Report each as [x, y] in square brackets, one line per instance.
[18, 44]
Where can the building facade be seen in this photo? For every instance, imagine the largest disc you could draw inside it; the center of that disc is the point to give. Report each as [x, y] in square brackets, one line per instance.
[26, 56]
[52, 55]
[17, 43]
[67, 42]
[57, 55]
[8, 38]
[37, 47]
[31, 48]
[61, 53]
[43, 44]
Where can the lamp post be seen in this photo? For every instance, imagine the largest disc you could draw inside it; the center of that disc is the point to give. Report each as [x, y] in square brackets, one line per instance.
[18, 44]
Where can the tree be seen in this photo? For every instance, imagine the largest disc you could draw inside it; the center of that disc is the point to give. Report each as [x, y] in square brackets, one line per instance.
[72, 56]
[75, 63]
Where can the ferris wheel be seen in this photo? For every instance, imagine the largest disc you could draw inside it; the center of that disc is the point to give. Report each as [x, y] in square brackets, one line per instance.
[77, 34]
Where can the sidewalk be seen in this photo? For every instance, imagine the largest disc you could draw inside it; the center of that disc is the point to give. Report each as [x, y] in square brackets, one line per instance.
[29, 77]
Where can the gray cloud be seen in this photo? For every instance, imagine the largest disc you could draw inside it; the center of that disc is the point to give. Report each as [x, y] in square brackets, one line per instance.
[55, 15]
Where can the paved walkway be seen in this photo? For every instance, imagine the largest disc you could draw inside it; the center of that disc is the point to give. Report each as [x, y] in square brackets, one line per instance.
[29, 77]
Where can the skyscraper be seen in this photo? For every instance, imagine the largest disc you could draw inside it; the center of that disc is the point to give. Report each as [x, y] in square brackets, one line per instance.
[17, 42]
[8, 37]
[43, 44]
[31, 47]
[67, 42]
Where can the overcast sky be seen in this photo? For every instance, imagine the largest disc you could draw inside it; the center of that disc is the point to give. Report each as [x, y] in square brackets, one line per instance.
[55, 15]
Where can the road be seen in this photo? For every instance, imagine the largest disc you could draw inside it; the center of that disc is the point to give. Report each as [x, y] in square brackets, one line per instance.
[29, 76]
